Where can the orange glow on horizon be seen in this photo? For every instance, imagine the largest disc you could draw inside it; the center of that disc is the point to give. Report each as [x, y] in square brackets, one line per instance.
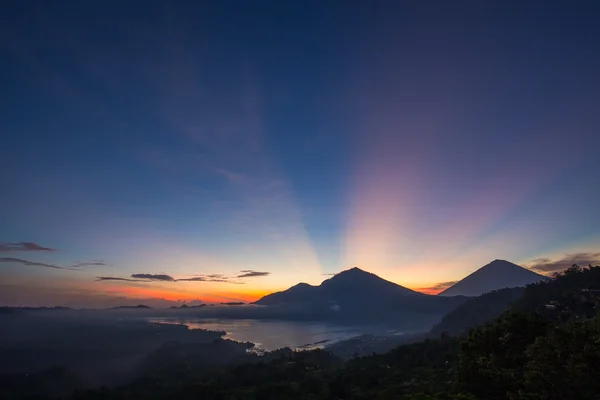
[428, 290]
[175, 295]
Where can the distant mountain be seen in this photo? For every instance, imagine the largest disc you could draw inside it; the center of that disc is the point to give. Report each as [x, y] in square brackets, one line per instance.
[498, 274]
[184, 306]
[139, 306]
[233, 303]
[355, 295]
[299, 293]
[350, 284]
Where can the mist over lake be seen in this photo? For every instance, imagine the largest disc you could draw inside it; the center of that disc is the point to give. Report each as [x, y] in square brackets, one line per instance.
[276, 334]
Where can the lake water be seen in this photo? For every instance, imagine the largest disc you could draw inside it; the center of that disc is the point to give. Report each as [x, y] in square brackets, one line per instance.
[274, 334]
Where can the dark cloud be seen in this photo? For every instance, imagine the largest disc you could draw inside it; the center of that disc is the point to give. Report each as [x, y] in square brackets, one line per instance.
[193, 279]
[87, 264]
[154, 277]
[248, 273]
[22, 246]
[73, 267]
[210, 278]
[32, 263]
[245, 273]
[114, 278]
[547, 265]
[197, 278]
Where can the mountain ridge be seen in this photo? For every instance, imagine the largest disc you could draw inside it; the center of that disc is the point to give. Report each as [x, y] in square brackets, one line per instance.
[360, 296]
[353, 277]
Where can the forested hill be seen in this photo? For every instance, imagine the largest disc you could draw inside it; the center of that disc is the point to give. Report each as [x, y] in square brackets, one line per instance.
[477, 311]
[565, 292]
[546, 346]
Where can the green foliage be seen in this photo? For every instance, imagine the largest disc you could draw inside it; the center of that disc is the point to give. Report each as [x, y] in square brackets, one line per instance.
[529, 352]
[477, 311]
[566, 289]
[565, 364]
[492, 358]
[531, 341]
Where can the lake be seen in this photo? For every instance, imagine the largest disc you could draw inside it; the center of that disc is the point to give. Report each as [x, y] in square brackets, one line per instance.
[275, 334]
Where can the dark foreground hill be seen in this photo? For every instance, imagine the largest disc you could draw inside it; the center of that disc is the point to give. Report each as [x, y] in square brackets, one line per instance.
[498, 274]
[358, 296]
[477, 311]
[531, 351]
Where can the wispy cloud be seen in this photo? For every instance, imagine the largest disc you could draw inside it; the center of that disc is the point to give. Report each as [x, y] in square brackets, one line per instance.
[208, 279]
[154, 277]
[115, 278]
[22, 246]
[193, 279]
[31, 263]
[87, 264]
[248, 273]
[438, 287]
[73, 267]
[214, 276]
[548, 265]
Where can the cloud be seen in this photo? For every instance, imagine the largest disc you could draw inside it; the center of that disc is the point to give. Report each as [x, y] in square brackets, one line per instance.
[114, 278]
[245, 273]
[443, 285]
[22, 246]
[32, 263]
[73, 267]
[210, 278]
[87, 264]
[248, 273]
[438, 287]
[548, 265]
[194, 279]
[153, 277]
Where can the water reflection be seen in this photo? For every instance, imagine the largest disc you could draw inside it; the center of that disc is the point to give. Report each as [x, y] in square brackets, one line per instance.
[270, 335]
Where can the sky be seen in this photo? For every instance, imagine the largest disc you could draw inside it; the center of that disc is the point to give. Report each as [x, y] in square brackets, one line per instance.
[216, 151]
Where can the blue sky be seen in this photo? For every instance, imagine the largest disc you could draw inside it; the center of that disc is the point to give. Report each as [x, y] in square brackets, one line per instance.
[417, 142]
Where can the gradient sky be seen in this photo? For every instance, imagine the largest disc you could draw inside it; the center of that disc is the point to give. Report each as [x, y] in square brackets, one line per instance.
[249, 146]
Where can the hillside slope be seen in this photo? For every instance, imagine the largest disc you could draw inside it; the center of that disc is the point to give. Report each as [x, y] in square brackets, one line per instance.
[477, 311]
[536, 354]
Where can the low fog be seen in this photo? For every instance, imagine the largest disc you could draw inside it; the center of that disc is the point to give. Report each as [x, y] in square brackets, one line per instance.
[65, 349]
